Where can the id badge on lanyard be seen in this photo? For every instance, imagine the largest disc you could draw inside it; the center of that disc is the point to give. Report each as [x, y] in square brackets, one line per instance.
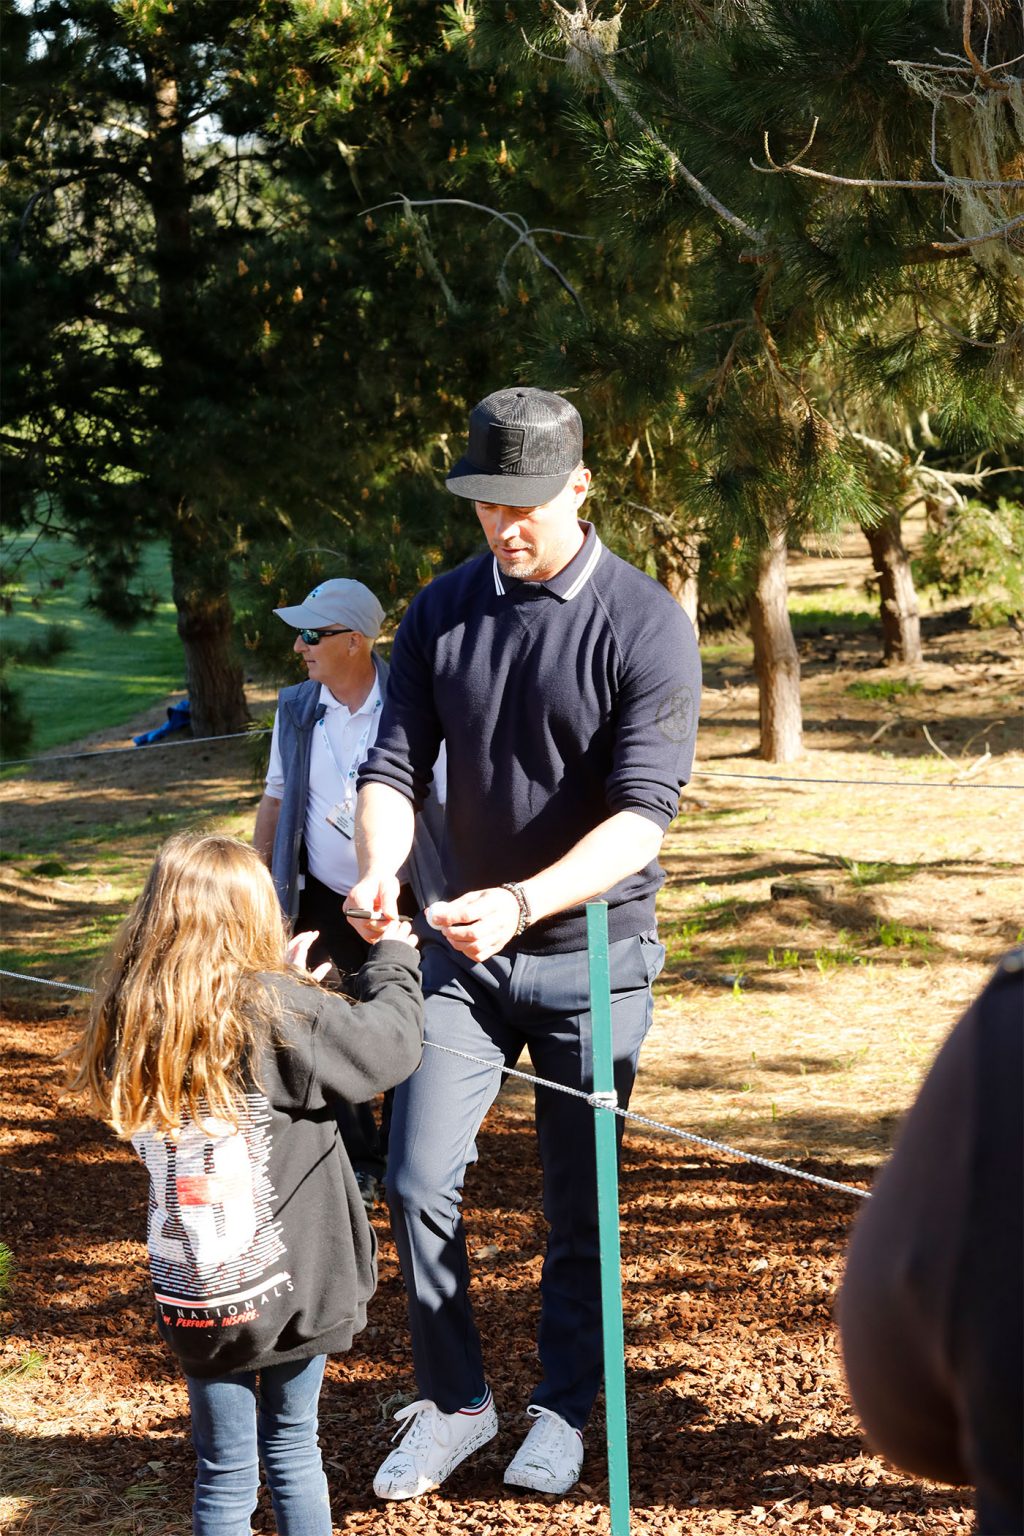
[342, 816]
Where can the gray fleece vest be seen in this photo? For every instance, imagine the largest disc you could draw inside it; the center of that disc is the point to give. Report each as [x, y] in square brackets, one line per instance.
[298, 710]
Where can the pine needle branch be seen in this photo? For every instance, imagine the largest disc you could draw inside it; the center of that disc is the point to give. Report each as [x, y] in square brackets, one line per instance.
[979, 68]
[515, 221]
[584, 38]
[948, 183]
[721, 377]
[1009, 341]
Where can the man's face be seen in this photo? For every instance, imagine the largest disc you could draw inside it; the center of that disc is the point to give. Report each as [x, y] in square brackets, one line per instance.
[329, 660]
[535, 543]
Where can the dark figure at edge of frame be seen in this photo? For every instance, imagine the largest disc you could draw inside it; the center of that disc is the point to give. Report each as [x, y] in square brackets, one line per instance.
[932, 1306]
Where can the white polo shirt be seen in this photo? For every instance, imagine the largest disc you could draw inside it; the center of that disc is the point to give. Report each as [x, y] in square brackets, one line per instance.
[330, 855]
[340, 742]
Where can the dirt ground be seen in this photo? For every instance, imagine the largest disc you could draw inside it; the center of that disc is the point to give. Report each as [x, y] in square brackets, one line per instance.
[738, 1418]
[796, 1025]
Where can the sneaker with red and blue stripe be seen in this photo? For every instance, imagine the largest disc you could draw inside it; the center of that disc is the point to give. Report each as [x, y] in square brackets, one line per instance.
[432, 1445]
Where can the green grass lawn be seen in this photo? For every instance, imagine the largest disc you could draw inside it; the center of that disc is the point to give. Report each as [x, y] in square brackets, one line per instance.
[842, 609]
[107, 675]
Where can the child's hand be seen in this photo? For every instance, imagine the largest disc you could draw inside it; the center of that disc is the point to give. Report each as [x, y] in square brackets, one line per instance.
[296, 954]
[401, 930]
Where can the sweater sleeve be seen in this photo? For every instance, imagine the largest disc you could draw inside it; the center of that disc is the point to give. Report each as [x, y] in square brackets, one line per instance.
[364, 1048]
[658, 706]
[410, 733]
[338, 1049]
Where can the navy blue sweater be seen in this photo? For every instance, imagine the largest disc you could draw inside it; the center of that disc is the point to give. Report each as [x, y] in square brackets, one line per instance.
[562, 703]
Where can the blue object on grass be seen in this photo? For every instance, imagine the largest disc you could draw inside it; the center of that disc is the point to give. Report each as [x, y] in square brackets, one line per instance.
[179, 718]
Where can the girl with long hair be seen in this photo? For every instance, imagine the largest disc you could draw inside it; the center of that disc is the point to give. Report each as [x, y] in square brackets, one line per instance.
[220, 1059]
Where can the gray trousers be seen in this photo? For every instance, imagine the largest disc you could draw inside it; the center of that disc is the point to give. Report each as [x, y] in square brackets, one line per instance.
[491, 1011]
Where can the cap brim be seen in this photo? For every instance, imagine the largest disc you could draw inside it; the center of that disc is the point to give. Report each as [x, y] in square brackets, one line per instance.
[505, 490]
[305, 616]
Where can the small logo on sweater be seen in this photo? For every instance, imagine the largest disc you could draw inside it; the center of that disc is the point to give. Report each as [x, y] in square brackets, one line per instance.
[677, 715]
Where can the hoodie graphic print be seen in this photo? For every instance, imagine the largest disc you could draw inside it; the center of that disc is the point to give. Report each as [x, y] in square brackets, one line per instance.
[215, 1250]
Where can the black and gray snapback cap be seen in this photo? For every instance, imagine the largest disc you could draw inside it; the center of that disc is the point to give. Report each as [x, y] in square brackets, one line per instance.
[523, 446]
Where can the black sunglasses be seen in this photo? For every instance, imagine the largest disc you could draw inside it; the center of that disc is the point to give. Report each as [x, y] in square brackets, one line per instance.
[314, 636]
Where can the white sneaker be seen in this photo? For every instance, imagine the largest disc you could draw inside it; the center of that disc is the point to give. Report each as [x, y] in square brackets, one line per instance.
[434, 1443]
[551, 1456]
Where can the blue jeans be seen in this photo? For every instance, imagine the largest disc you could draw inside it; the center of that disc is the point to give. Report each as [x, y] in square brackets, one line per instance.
[490, 1011]
[234, 1427]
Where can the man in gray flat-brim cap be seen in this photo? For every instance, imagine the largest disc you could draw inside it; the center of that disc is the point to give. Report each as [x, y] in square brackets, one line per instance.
[566, 684]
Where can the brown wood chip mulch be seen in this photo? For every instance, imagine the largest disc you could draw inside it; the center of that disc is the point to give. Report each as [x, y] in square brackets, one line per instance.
[739, 1420]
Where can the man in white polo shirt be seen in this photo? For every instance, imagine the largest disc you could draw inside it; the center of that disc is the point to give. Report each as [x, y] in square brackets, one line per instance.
[323, 729]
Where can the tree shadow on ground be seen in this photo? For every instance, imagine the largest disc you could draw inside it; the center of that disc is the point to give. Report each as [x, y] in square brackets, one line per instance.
[904, 740]
[141, 1481]
[709, 1249]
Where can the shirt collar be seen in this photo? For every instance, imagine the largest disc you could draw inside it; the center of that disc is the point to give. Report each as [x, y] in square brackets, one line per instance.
[572, 578]
[367, 707]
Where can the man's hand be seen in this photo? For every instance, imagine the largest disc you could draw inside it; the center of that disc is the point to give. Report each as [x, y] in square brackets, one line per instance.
[478, 924]
[377, 894]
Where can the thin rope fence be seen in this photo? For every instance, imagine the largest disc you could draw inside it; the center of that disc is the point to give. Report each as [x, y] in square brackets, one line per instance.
[154, 746]
[698, 773]
[595, 1100]
[776, 778]
[598, 1101]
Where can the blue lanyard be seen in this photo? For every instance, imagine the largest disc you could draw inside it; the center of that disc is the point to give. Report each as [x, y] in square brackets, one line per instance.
[357, 757]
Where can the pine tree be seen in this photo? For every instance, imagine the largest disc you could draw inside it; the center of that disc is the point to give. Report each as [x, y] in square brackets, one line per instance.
[154, 388]
[775, 163]
[441, 200]
[226, 325]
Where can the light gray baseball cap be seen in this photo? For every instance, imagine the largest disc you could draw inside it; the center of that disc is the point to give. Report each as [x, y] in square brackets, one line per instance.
[340, 602]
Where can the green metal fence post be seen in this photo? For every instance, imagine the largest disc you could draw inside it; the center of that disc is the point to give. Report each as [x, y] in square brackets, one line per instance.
[608, 1218]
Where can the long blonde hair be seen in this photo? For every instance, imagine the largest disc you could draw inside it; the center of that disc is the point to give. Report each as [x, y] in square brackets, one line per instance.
[179, 1016]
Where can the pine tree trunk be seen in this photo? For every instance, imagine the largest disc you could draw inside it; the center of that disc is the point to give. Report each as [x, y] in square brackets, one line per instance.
[200, 579]
[677, 562]
[901, 623]
[200, 571]
[776, 661]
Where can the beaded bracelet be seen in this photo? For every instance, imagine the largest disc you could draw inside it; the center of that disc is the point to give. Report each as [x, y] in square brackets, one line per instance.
[524, 905]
